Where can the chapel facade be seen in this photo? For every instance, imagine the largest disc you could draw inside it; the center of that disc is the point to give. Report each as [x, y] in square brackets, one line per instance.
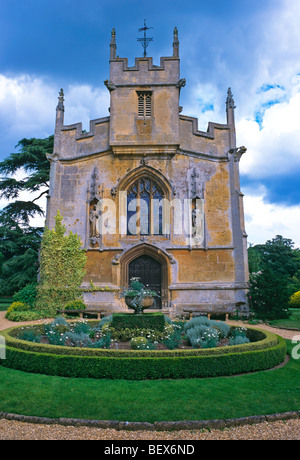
[151, 196]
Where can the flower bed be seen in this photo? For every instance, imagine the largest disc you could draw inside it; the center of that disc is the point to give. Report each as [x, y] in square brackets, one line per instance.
[103, 360]
[120, 331]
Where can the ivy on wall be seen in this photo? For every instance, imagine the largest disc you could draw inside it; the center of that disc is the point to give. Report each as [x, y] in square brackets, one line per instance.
[62, 268]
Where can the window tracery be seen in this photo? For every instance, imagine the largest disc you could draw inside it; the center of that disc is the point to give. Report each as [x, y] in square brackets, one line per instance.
[145, 207]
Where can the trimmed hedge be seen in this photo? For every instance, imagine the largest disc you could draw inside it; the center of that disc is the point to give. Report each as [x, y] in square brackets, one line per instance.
[139, 365]
[145, 368]
[154, 321]
[260, 340]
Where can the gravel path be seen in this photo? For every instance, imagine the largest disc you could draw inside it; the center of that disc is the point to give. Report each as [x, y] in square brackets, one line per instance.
[12, 430]
[278, 430]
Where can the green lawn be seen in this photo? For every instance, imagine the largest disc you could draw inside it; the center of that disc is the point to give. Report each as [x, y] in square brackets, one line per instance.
[293, 321]
[191, 399]
[5, 303]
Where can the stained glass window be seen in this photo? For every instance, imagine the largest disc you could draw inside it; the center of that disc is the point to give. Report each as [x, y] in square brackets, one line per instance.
[144, 208]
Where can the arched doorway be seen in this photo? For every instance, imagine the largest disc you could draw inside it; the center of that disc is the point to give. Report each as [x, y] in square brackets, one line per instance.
[149, 270]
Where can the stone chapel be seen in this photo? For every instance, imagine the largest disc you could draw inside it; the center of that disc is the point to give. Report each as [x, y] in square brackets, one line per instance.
[152, 196]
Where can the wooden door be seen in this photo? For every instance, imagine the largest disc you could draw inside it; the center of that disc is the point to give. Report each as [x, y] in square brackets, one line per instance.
[150, 273]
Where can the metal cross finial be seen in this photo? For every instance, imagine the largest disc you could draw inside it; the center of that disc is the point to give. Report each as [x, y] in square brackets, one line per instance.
[144, 40]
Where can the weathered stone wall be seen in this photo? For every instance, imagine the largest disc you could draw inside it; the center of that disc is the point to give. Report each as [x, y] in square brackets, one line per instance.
[187, 163]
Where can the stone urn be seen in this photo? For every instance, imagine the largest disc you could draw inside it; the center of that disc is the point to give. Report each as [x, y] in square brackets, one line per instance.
[139, 306]
[147, 301]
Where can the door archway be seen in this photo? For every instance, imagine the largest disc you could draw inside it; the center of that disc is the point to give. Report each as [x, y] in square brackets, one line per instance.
[149, 270]
[155, 254]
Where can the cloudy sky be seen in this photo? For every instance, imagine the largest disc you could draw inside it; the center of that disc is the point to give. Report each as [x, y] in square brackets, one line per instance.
[252, 46]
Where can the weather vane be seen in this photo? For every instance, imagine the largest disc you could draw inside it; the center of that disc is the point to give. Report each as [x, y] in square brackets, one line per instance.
[144, 40]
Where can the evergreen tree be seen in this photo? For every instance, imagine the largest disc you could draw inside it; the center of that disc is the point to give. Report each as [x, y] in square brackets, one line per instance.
[32, 159]
[269, 295]
[18, 255]
[62, 268]
[19, 242]
[273, 267]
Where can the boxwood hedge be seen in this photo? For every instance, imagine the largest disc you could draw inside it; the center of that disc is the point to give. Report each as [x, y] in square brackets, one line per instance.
[266, 353]
[154, 321]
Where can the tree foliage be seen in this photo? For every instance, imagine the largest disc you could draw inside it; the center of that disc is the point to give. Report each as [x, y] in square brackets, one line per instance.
[19, 242]
[273, 272]
[31, 159]
[18, 255]
[62, 268]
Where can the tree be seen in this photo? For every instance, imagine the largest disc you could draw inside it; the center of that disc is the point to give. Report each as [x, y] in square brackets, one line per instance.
[268, 295]
[18, 255]
[279, 254]
[272, 266]
[31, 159]
[254, 259]
[19, 242]
[62, 268]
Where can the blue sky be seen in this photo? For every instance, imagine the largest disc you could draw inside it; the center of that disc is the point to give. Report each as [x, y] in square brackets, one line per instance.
[252, 46]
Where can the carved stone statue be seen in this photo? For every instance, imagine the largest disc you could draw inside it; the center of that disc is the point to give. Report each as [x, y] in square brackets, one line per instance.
[94, 215]
[196, 220]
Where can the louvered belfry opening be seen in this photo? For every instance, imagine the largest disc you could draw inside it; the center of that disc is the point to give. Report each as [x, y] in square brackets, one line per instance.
[144, 103]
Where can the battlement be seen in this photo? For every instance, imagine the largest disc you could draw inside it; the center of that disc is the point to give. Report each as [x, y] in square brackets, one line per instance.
[144, 72]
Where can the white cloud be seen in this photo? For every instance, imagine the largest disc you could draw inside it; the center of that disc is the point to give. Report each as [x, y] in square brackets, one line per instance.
[275, 148]
[84, 103]
[27, 106]
[27, 109]
[203, 102]
[264, 220]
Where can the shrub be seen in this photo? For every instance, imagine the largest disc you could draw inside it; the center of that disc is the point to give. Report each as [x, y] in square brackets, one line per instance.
[75, 339]
[17, 310]
[55, 330]
[202, 336]
[30, 335]
[153, 336]
[238, 340]
[103, 342]
[223, 328]
[62, 268]
[60, 320]
[154, 321]
[138, 343]
[295, 300]
[82, 328]
[26, 295]
[238, 332]
[75, 305]
[197, 321]
[173, 340]
[202, 332]
[135, 365]
[259, 340]
[18, 306]
[17, 316]
[105, 320]
[21, 311]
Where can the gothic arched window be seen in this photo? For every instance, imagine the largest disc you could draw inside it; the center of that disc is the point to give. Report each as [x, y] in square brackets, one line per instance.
[145, 208]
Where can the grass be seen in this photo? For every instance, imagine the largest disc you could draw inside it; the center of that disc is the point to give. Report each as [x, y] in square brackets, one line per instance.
[292, 322]
[191, 399]
[5, 303]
